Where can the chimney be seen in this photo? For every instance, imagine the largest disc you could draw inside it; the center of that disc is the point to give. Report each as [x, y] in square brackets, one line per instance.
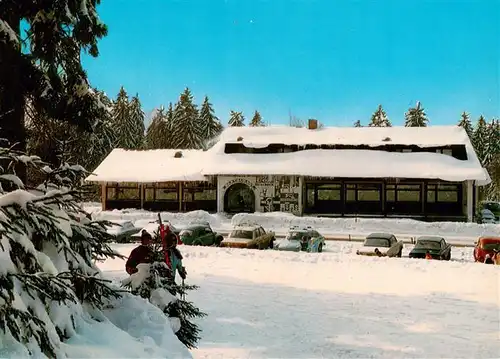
[312, 124]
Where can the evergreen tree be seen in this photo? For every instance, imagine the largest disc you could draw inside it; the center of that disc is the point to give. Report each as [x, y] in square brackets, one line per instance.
[136, 123]
[492, 159]
[186, 128]
[210, 124]
[379, 118]
[236, 119]
[416, 117]
[48, 71]
[155, 134]
[128, 121]
[48, 247]
[480, 139]
[357, 123]
[466, 123]
[154, 282]
[256, 120]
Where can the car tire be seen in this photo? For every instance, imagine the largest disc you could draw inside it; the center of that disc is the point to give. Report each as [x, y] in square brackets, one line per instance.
[271, 243]
[218, 241]
[400, 253]
[320, 248]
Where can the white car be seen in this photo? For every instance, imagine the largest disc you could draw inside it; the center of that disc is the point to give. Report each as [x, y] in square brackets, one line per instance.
[386, 244]
[123, 230]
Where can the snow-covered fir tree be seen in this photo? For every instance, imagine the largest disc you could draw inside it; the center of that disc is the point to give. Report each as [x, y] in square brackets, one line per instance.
[236, 119]
[49, 283]
[480, 139]
[129, 127]
[210, 124]
[186, 126]
[466, 124]
[492, 159]
[379, 118]
[155, 134]
[416, 117]
[256, 120]
[154, 282]
[136, 123]
[357, 123]
[48, 71]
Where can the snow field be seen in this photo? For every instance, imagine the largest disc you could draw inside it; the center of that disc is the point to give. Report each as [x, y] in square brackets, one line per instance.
[269, 304]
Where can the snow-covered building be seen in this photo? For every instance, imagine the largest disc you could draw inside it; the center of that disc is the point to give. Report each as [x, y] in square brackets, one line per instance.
[419, 172]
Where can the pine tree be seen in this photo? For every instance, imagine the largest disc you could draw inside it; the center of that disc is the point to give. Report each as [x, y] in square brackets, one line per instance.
[256, 120]
[48, 247]
[136, 123]
[357, 123]
[152, 282]
[466, 123]
[45, 66]
[210, 124]
[480, 139]
[379, 118]
[128, 121]
[492, 159]
[236, 119]
[155, 134]
[186, 127]
[416, 117]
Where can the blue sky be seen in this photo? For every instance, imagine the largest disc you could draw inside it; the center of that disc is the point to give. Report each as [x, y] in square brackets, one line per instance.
[331, 60]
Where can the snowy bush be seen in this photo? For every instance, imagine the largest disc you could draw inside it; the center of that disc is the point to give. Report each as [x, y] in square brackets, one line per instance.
[153, 282]
[48, 244]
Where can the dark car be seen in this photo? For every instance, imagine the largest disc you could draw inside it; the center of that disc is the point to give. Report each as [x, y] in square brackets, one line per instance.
[200, 234]
[436, 246]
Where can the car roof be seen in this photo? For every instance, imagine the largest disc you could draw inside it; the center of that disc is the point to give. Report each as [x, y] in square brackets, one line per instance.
[380, 235]
[196, 225]
[430, 238]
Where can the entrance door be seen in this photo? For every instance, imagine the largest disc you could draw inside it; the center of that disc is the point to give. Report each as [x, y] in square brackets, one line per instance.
[239, 198]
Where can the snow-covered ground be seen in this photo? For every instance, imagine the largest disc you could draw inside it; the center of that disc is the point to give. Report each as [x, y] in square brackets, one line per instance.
[335, 304]
[454, 232]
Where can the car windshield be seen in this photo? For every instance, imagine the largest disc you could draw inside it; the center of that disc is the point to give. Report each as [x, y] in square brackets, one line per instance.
[295, 236]
[186, 232]
[376, 242]
[426, 244]
[241, 234]
[489, 246]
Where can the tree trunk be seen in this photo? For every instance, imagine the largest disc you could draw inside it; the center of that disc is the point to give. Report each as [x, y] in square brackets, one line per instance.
[12, 97]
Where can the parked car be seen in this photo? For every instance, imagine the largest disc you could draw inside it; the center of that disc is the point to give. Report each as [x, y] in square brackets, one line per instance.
[252, 236]
[488, 209]
[386, 244]
[436, 246]
[200, 234]
[123, 231]
[301, 239]
[484, 246]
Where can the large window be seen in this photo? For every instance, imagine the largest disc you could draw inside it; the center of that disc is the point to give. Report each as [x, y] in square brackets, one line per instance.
[161, 192]
[403, 193]
[123, 191]
[444, 199]
[365, 192]
[329, 192]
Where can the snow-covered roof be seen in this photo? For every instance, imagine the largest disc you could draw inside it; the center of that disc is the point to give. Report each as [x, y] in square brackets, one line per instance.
[348, 163]
[150, 166]
[372, 136]
[161, 166]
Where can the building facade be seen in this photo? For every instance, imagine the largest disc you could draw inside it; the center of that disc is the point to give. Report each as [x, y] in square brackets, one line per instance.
[426, 173]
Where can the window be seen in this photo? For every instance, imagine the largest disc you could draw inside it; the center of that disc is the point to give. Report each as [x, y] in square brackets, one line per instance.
[329, 192]
[350, 193]
[443, 192]
[124, 191]
[206, 195]
[445, 151]
[368, 192]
